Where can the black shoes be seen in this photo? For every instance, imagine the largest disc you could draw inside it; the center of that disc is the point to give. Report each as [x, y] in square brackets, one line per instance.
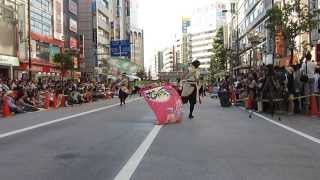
[191, 117]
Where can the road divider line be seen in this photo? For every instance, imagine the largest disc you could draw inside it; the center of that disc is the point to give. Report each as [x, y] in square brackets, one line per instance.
[311, 138]
[60, 120]
[130, 167]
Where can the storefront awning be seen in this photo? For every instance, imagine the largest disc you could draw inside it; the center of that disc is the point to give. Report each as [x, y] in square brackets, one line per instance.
[9, 61]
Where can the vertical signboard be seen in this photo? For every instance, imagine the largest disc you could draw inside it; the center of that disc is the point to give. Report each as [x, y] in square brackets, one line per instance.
[73, 7]
[58, 19]
[73, 25]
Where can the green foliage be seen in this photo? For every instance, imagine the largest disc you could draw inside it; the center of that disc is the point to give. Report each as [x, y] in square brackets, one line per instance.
[65, 60]
[105, 67]
[220, 55]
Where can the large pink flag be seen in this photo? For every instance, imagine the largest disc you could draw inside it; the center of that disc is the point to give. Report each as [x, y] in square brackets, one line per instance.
[165, 103]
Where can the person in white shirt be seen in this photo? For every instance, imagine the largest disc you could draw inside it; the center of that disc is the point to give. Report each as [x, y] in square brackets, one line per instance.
[308, 68]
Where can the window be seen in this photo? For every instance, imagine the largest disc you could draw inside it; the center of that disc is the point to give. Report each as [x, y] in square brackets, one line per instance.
[41, 17]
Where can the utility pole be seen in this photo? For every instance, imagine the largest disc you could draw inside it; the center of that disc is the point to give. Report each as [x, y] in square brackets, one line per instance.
[29, 40]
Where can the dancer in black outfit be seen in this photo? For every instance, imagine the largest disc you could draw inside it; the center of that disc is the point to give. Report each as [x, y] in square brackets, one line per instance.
[123, 91]
[190, 90]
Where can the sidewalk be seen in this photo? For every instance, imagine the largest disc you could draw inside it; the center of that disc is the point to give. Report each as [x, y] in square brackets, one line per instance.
[307, 124]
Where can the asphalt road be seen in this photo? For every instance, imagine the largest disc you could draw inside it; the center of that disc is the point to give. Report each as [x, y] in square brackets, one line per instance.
[219, 144]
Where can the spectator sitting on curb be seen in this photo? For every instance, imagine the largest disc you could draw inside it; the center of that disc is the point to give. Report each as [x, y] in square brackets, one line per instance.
[11, 103]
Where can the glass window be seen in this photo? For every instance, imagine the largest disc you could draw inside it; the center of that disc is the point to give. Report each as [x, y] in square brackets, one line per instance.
[41, 17]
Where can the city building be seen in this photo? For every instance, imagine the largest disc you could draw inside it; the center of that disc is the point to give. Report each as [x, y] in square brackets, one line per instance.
[71, 34]
[11, 15]
[201, 47]
[47, 38]
[168, 59]
[251, 18]
[137, 46]
[185, 46]
[136, 34]
[95, 24]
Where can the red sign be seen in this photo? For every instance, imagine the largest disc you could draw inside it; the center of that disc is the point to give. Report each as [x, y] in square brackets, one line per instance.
[73, 43]
[165, 103]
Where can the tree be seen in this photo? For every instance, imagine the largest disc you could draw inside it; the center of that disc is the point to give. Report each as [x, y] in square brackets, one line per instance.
[221, 55]
[105, 67]
[293, 19]
[65, 61]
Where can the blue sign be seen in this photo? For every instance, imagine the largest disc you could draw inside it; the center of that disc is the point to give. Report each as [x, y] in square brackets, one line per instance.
[120, 48]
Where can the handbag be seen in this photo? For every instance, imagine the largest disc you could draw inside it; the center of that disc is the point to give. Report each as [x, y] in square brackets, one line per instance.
[187, 90]
[304, 77]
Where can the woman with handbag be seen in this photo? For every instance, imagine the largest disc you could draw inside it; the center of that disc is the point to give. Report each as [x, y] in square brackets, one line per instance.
[190, 92]
[124, 89]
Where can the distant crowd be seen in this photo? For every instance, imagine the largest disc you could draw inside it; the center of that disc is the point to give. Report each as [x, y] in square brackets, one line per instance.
[288, 88]
[28, 96]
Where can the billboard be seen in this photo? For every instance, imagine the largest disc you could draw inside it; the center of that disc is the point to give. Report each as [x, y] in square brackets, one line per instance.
[58, 19]
[73, 25]
[73, 7]
[120, 48]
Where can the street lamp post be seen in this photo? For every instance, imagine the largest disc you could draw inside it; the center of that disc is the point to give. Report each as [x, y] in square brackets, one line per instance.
[29, 41]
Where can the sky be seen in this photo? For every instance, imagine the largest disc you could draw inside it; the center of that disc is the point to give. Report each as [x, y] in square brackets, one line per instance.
[161, 20]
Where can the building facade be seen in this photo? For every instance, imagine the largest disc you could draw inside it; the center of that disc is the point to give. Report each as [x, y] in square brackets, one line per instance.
[201, 47]
[252, 34]
[95, 24]
[10, 14]
[137, 46]
[168, 59]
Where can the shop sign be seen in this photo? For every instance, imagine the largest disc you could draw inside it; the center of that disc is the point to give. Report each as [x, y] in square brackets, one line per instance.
[55, 70]
[58, 19]
[73, 43]
[73, 25]
[73, 7]
[9, 61]
[280, 44]
[75, 62]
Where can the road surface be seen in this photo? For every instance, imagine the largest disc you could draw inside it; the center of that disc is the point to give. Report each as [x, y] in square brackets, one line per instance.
[102, 141]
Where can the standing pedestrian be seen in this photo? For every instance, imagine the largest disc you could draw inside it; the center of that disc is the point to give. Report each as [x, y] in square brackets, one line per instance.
[124, 89]
[308, 71]
[190, 88]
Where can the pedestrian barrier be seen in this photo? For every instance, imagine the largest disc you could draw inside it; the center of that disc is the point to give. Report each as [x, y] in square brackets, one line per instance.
[5, 107]
[314, 107]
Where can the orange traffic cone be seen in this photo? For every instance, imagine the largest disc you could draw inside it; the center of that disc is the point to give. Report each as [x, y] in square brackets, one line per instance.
[313, 106]
[63, 101]
[249, 103]
[47, 101]
[55, 101]
[5, 108]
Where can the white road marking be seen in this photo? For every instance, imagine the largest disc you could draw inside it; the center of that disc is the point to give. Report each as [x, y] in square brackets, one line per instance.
[311, 138]
[127, 171]
[59, 120]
